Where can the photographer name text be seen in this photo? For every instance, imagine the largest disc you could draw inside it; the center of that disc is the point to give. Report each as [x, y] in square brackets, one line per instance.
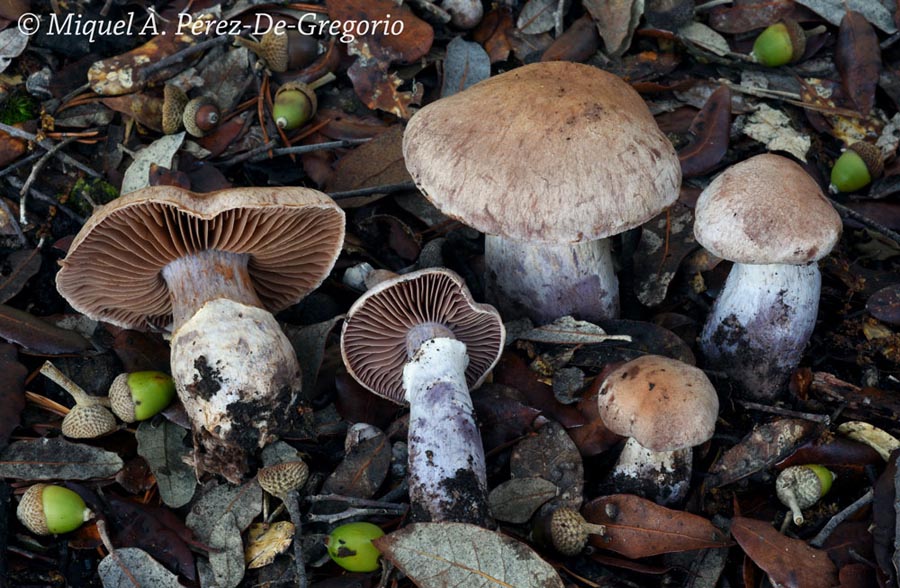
[309, 24]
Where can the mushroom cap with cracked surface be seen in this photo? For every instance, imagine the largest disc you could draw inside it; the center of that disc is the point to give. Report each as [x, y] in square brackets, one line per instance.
[113, 271]
[766, 210]
[665, 404]
[374, 336]
[551, 152]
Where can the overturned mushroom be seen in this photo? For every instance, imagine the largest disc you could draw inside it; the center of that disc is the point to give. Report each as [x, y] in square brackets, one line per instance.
[770, 217]
[212, 268]
[548, 160]
[420, 339]
[665, 407]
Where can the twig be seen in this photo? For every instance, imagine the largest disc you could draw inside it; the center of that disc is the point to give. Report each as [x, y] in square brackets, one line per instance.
[383, 189]
[17, 184]
[316, 147]
[864, 220]
[840, 517]
[179, 56]
[356, 512]
[560, 8]
[21, 163]
[47, 144]
[247, 155]
[790, 98]
[23, 193]
[807, 416]
[710, 4]
[12, 220]
[292, 504]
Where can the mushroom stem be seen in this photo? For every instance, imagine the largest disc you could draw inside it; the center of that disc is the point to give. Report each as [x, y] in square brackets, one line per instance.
[760, 324]
[662, 476]
[234, 369]
[546, 281]
[447, 474]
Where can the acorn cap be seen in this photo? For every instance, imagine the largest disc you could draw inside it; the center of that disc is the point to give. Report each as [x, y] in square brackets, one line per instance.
[766, 210]
[567, 531]
[31, 510]
[374, 336]
[174, 101]
[120, 399]
[551, 152]
[200, 116]
[281, 478]
[112, 271]
[88, 422]
[798, 38]
[664, 404]
[287, 51]
[871, 156]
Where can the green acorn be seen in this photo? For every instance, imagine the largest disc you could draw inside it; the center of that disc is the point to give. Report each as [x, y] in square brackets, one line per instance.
[350, 546]
[46, 509]
[139, 396]
[782, 43]
[856, 167]
[799, 487]
[295, 104]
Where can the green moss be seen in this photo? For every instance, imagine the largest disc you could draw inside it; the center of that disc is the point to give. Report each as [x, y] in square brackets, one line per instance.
[18, 108]
[87, 190]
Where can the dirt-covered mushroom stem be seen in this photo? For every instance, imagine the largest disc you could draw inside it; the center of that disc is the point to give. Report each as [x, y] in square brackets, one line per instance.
[220, 329]
[760, 323]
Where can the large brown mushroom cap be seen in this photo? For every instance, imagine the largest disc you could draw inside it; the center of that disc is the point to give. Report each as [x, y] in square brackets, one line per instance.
[113, 270]
[663, 403]
[373, 340]
[552, 152]
[766, 210]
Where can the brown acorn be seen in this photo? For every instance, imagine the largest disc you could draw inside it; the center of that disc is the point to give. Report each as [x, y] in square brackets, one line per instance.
[201, 115]
[285, 51]
[174, 101]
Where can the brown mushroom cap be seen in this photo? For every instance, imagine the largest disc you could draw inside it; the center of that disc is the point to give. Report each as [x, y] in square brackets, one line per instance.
[113, 269]
[552, 152]
[373, 340]
[765, 210]
[663, 403]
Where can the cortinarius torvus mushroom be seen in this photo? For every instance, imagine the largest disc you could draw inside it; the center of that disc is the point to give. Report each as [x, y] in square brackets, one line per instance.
[212, 267]
[665, 407]
[420, 339]
[548, 160]
[770, 217]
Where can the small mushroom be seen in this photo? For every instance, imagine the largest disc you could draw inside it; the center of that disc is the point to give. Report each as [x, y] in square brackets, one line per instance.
[548, 160]
[665, 407]
[420, 339]
[211, 268]
[770, 217]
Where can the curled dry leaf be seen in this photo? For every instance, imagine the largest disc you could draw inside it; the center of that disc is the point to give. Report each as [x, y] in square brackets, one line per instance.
[637, 527]
[218, 500]
[163, 448]
[12, 44]
[553, 456]
[711, 129]
[376, 163]
[858, 59]
[834, 10]
[514, 501]
[580, 41]
[129, 567]
[493, 33]
[748, 16]
[616, 21]
[788, 562]
[444, 555]
[18, 326]
[885, 305]
[665, 241]
[266, 541]
[22, 267]
[466, 64]
[765, 445]
[362, 470]
[568, 331]
[539, 16]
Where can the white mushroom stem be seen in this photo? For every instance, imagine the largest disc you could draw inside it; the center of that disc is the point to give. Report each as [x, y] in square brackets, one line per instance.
[760, 324]
[662, 476]
[545, 282]
[447, 475]
[235, 371]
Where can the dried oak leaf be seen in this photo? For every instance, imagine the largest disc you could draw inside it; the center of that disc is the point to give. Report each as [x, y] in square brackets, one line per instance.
[711, 129]
[12, 391]
[373, 83]
[637, 527]
[788, 562]
[858, 59]
[493, 33]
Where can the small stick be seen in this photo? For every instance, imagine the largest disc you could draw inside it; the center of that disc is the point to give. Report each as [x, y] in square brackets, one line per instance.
[864, 220]
[17, 184]
[383, 189]
[356, 512]
[710, 4]
[45, 144]
[790, 98]
[179, 56]
[12, 220]
[23, 193]
[842, 516]
[317, 147]
[353, 501]
[807, 416]
[292, 504]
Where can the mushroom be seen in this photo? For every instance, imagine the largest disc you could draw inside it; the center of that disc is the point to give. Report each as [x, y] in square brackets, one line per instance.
[420, 339]
[547, 160]
[211, 268]
[665, 407]
[770, 217]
